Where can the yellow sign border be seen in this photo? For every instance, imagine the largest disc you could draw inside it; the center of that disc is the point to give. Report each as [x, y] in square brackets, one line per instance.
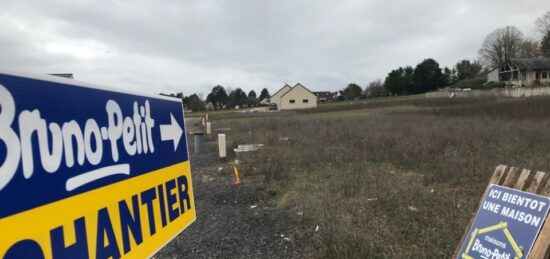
[36, 224]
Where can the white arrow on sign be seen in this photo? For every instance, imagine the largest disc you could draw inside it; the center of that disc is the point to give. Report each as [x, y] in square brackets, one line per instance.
[171, 131]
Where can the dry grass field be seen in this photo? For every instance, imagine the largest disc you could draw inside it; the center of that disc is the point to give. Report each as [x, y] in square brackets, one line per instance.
[393, 179]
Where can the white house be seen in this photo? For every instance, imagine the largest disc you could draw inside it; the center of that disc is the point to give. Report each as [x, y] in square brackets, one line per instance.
[296, 97]
[276, 97]
[493, 75]
[522, 72]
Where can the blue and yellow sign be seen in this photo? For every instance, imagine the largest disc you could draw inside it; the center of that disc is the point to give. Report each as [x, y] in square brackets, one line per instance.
[506, 225]
[89, 172]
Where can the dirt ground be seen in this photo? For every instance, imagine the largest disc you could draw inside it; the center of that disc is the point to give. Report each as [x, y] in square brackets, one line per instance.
[231, 222]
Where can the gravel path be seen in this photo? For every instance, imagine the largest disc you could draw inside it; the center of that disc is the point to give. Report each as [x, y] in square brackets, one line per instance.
[231, 222]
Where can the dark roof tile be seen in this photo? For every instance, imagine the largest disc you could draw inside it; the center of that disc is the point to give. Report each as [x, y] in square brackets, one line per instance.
[532, 63]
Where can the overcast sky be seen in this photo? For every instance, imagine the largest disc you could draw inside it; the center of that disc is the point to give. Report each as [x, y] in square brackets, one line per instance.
[191, 46]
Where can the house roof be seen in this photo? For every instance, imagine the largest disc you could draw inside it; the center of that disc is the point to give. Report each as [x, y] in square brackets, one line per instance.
[294, 87]
[284, 87]
[531, 63]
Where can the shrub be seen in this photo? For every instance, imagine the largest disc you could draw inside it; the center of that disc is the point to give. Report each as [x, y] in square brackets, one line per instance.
[492, 84]
[476, 83]
[376, 91]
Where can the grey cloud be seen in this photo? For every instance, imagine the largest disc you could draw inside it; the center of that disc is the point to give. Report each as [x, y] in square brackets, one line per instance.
[190, 46]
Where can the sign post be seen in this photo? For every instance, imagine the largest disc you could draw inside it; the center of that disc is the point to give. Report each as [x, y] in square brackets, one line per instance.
[89, 172]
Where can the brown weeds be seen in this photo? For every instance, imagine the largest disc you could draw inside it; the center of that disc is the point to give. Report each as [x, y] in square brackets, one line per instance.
[393, 183]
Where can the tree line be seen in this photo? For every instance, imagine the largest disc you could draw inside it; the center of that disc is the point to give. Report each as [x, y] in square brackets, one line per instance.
[425, 76]
[219, 99]
[499, 46]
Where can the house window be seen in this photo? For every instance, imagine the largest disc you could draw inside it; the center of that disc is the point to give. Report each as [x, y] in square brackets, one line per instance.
[305, 100]
[544, 75]
[537, 75]
[291, 101]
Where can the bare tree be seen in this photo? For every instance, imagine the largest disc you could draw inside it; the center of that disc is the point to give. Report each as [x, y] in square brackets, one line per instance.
[530, 48]
[376, 89]
[376, 83]
[545, 45]
[543, 24]
[500, 46]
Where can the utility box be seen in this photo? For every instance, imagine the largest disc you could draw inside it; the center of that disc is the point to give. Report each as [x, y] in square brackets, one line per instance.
[199, 142]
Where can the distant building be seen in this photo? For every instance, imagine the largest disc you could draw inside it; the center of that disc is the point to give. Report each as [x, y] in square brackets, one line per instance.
[493, 75]
[276, 97]
[65, 75]
[209, 106]
[324, 96]
[297, 97]
[522, 72]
